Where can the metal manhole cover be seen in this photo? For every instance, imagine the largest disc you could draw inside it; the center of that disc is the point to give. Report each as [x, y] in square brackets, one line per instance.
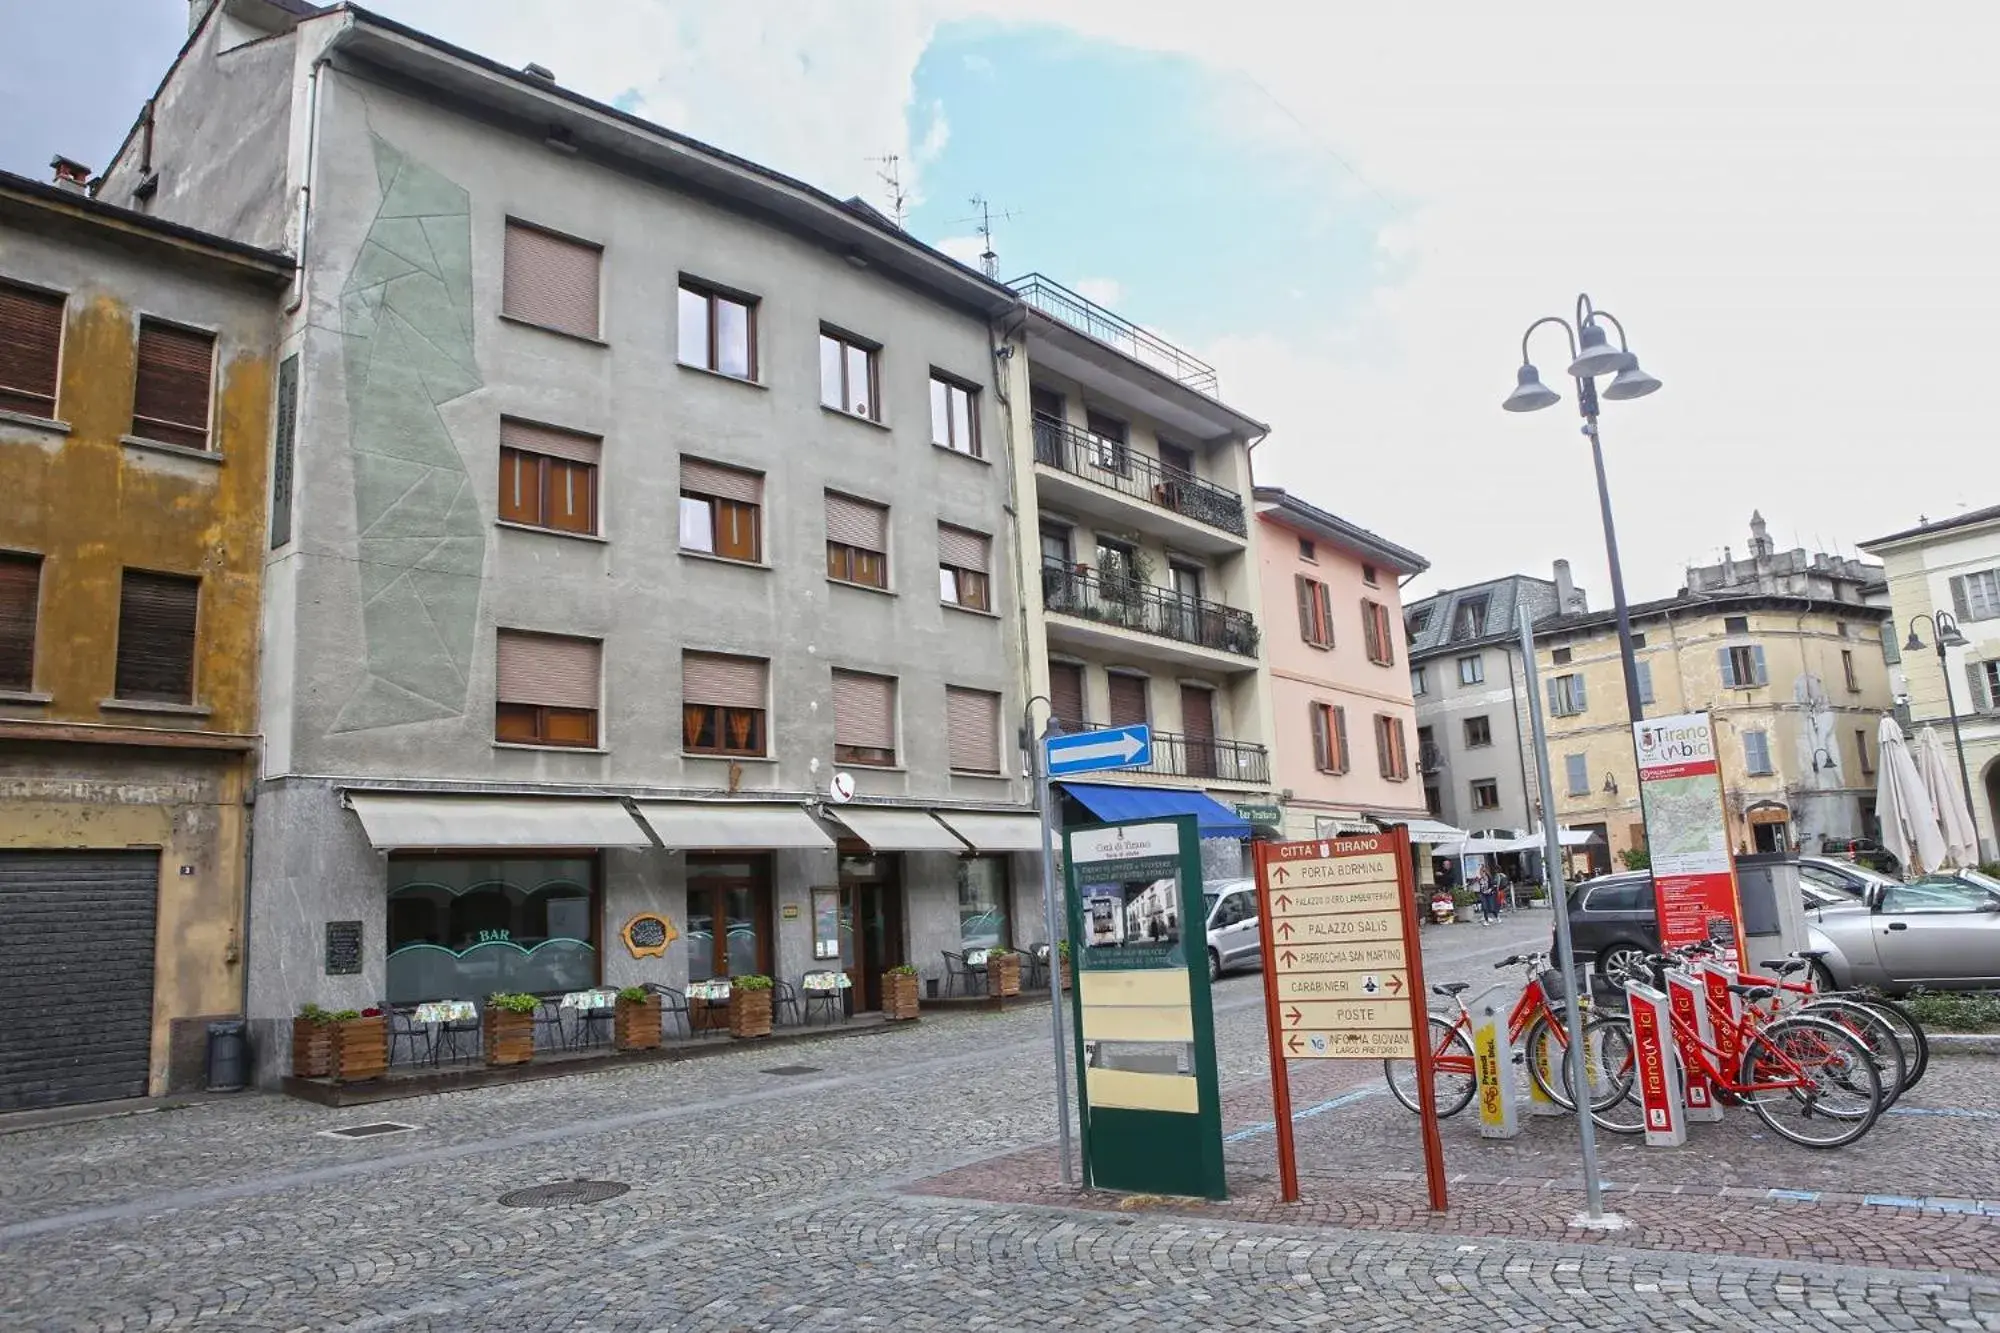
[370, 1131]
[564, 1193]
[794, 1069]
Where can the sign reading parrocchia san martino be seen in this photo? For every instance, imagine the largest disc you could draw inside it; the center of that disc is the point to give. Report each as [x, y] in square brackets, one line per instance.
[1687, 834]
[1151, 1108]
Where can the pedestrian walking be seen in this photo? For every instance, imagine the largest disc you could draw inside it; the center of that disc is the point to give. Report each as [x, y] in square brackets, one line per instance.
[1489, 901]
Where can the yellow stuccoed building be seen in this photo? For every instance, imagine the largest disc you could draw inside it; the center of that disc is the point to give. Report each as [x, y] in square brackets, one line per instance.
[1796, 687]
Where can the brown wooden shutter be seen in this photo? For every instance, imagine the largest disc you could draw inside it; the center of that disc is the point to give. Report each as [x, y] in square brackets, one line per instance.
[962, 548]
[1128, 699]
[1066, 694]
[864, 710]
[170, 394]
[20, 597]
[856, 523]
[1382, 744]
[1305, 591]
[717, 681]
[721, 483]
[1324, 596]
[1322, 734]
[30, 350]
[156, 628]
[1339, 739]
[972, 724]
[549, 440]
[550, 280]
[1368, 630]
[548, 669]
[1197, 713]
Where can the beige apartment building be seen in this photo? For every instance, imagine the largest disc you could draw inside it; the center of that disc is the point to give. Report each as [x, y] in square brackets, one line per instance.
[1796, 688]
[1139, 564]
[1952, 565]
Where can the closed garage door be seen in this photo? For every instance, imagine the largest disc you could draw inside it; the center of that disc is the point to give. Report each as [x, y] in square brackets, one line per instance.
[76, 952]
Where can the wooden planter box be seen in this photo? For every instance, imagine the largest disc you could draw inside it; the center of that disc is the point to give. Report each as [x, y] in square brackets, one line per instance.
[899, 995]
[312, 1048]
[1068, 975]
[1005, 973]
[636, 1027]
[749, 1013]
[510, 1037]
[359, 1049]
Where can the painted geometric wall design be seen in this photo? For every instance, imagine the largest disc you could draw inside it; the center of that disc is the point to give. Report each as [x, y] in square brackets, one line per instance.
[406, 324]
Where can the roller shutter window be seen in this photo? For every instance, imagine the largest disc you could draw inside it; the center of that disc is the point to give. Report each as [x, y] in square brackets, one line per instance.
[1128, 699]
[548, 477]
[864, 718]
[721, 511]
[1066, 696]
[972, 725]
[551, 280]
[547, 688]
[724, 702]
[20, 599]
[170, 396]
[963, 556]
[1198, 731]
[156, 637]
[857, 541]
[31, 325]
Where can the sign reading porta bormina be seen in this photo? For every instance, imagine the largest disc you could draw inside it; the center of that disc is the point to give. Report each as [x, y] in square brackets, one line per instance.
[1341, 943]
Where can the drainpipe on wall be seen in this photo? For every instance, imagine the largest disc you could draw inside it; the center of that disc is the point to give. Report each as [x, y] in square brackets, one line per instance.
[1000, 338]
[312, 161]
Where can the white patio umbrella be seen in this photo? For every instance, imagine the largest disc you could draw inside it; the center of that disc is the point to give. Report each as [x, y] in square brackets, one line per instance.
[1961, 840]
[1909, 823]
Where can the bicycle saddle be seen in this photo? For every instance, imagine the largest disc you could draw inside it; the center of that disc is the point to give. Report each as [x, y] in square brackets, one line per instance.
[1753, 992]
[1449, 988]
[1812, 954]
[1783, 967]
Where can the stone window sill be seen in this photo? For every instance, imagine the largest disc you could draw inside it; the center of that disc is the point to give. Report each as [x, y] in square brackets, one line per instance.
[550, 749]
[729, 758]
[969, 610]
[176, 450]
[724, 375]
[988, 774]
[960, 453]
[551, 532]
[855, 417]
[47, 424]
[725, 560]
[153, 706]
[25, 697]
[860, 767]
[863, 587]
[592, 339]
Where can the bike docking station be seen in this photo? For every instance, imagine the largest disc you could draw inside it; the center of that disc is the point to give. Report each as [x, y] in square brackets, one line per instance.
[1343, 973]
[1656, 1064]
[1493, 1066]
[1688, 996]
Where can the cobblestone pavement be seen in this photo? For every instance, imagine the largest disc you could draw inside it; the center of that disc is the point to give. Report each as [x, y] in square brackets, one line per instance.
[833, 1200]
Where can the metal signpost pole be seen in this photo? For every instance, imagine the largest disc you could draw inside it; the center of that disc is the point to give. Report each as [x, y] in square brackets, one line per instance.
[1281, 1073]
[1045, 793]
[1565, 954]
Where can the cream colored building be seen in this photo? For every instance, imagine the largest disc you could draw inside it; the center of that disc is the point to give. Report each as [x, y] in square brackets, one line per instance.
[1953, 565]
[1796, 688]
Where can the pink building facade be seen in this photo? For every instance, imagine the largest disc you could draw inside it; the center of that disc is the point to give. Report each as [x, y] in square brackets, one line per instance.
[1346, 727]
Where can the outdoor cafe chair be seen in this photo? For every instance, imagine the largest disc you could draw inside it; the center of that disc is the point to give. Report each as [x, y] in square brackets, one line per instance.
[459, 1039]
[960, 976]
[405, 1032]
[1035, 966]
[674, 1005]
[550, 1034]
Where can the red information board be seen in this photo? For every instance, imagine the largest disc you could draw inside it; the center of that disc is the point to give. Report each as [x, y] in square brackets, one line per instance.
[1687, 834]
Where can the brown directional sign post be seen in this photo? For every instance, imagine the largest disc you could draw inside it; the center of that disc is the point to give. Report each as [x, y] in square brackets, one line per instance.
[1343, 973]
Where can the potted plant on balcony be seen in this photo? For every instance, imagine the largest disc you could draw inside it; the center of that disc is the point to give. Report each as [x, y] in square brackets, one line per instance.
[899, 992]
[1003, 971]
[635, 1020]
[312, 1042]
[750, 1006]
[360, 1045]
[510, 1028]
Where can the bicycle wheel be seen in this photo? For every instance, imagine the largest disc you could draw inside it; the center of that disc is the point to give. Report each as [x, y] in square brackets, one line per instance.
[1544, 1050]
[1453, 1080]
[1875, 1033]
[1910, 1034]
[1610, 1074]
[1811, 1081]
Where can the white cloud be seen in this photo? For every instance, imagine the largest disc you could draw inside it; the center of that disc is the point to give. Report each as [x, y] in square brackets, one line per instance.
[965, 249]
[1792, 208]
[1104, 291]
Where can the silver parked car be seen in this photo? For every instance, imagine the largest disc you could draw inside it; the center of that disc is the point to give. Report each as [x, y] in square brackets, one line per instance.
[1232, 926]
[1940, 932]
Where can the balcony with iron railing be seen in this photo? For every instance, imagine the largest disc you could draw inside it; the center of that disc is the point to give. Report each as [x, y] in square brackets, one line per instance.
[1115, 465]
[1127, 603]
[1178, 756]
[1430, 759]
[1086, 316]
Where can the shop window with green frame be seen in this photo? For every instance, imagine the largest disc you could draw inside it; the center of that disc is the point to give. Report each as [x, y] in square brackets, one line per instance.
[982, 903]
[463, 928]
[728, 916]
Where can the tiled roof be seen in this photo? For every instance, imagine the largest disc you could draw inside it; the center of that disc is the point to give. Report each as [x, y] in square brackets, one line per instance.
[1504, 600]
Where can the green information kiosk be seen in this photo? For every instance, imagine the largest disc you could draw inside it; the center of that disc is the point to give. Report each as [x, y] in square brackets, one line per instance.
[1149, 1104]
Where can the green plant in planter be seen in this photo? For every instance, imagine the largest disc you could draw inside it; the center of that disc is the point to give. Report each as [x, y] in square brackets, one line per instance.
[515, 1002]
[755, 981]
[312, 1013]
[634, 995]
[1062, 950]
[1464, 897]
[343, 1015]
[903, 970]
[997, 951]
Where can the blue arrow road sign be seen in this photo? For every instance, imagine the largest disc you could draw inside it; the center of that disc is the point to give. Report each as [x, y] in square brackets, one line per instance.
[1095, 751]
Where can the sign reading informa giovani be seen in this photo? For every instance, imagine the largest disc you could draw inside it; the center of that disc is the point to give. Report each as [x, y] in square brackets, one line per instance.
[1341, 949]
[1687, 836]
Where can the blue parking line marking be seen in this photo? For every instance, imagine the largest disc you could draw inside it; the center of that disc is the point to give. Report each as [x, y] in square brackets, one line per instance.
[1955, 1112]
[1794, 1196]
[1345, 1099]
[1892, 1201]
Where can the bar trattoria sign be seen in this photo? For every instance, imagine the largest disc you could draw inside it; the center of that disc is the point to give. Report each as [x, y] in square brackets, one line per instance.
[1687, 834]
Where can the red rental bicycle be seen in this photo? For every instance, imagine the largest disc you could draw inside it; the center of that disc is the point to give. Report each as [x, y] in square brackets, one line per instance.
[1536, 1032]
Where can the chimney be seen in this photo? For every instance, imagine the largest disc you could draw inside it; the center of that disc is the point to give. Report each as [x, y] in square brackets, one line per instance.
[1565, 589]
[70, 174]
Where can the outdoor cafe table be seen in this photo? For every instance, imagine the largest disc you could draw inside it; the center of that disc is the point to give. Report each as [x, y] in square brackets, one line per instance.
[708, 1005]
[444, 1011]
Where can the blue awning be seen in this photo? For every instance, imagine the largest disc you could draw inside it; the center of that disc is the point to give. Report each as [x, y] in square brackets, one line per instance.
[1117, 804]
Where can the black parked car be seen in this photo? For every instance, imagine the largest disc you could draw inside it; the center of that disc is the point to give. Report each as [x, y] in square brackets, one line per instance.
[1611, 918]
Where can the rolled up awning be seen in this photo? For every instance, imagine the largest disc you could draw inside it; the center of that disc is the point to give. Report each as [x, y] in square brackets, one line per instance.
[1427, 830]
[994, 833]
[890, 830]
[734, 825]
[394, 821]
[1118, 804]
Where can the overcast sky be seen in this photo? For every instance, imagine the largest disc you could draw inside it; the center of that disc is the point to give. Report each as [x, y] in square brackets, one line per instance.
[1793, 207]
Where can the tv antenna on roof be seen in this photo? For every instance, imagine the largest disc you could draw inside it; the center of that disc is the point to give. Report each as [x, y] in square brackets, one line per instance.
[891, 176]
[989, 261]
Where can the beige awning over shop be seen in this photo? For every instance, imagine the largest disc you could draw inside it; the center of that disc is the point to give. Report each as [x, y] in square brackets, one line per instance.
[734, 825]
[395, 821]
[889, 830]
[994, 833]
